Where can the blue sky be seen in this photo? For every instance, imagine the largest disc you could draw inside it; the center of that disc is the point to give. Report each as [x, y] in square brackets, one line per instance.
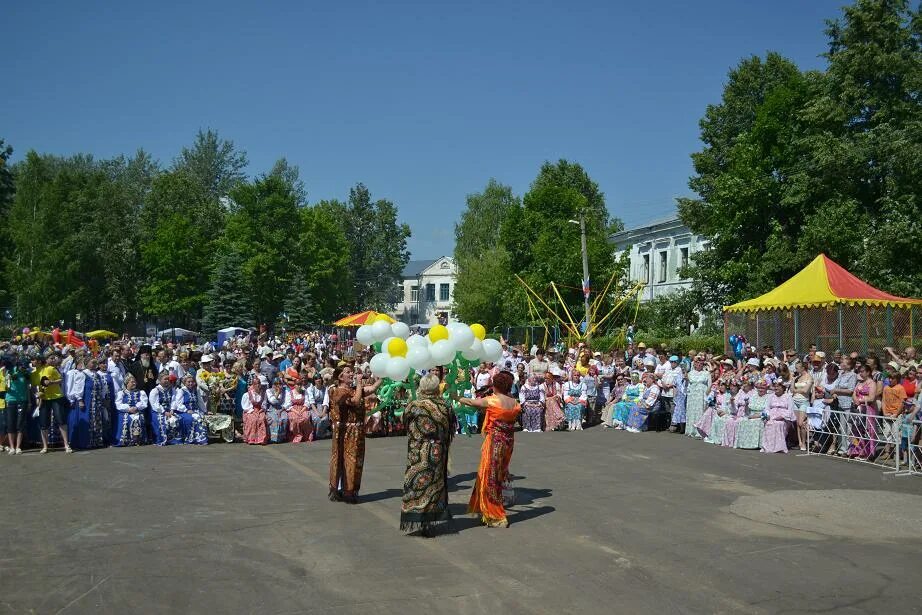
[421, 101]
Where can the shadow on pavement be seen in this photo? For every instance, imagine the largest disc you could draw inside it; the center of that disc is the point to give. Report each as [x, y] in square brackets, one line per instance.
[380, 495]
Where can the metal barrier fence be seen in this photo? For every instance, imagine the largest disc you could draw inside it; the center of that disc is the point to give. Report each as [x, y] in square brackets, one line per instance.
[914, 452]
[866, 437]
[848, 328]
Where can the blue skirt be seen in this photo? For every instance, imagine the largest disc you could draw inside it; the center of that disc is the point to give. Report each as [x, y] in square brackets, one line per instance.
[637, 419]
[573, 412]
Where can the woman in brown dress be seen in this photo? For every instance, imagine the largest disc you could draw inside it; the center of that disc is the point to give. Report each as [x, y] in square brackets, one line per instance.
[347, 418]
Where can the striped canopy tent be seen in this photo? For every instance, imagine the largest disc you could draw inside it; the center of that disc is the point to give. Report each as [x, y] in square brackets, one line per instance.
[825, 305]
[362, 318]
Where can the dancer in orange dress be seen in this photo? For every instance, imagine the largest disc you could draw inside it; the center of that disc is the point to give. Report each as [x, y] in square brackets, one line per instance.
[501, 411]
[347, 419]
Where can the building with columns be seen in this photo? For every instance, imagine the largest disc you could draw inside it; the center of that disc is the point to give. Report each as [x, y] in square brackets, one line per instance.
[657, 251]
[427, 291]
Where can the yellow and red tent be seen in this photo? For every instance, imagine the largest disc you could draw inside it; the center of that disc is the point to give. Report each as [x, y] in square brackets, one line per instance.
[822, 283]
[362, 318]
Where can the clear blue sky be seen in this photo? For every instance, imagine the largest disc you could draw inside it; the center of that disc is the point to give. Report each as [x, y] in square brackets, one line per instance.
[421, 101]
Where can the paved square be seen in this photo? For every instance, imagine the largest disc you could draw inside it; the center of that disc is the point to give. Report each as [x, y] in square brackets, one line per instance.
[607, 522]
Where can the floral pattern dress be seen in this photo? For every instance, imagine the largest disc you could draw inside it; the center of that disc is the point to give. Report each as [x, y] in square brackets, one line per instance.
[699, 385]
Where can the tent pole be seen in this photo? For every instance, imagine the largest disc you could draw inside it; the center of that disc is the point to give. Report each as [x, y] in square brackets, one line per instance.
[889, 326]
[841, 337]
[797, 330]
[864, 331]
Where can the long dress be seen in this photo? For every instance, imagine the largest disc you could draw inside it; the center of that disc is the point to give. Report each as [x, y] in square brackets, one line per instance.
[575, 400]
[130, 429]
[347, 455]
[553, 415]
[622, 410]
[86, 428]
[532, 400]
[779, 413]
[750, 429]
[425, 483]
[711, 424]
[739, 413]
[219, 413]
[862, 430]
[300, 424]
[255, 423]
[699, 385]
[681, 397]
[637, 418]
[277, 415]
[187, 406]
[166, 429]
[495, 455]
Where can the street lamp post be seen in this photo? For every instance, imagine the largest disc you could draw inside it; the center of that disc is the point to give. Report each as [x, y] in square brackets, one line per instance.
[582, 233]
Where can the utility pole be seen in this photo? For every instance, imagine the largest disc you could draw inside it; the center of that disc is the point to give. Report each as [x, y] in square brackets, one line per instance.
[582, 232]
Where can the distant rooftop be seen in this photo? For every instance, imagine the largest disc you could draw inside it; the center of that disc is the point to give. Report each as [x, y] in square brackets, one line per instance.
[415, 268]
[672, 219]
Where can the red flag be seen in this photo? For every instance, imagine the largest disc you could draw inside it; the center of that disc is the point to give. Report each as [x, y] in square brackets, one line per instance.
[74, 341]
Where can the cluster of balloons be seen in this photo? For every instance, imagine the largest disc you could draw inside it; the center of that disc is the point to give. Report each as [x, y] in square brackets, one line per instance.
[738, 345]
[400, 353]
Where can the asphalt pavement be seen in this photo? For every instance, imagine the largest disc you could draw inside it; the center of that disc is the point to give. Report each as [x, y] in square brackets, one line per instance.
[605, 522]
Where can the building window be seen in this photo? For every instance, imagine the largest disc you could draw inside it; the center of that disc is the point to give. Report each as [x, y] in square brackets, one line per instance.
[646, 268]
[430, 292]
[444, 265]
[662, 267]
[683, 257]
[414, 294]
[443, 292]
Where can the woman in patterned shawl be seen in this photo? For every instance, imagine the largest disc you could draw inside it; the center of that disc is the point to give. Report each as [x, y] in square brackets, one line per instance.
[425, 486]
[347, 416]
[496, 452]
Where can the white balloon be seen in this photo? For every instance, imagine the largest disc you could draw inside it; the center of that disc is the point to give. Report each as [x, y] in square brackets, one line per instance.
[475, 352]
[401, 330]
[461, 336]
[442, 352]
[397, 369]
[417, 340]
[365, 336]
[492, 351]
[378, 364]
[386, 341]
[419, 357]
[381, 330]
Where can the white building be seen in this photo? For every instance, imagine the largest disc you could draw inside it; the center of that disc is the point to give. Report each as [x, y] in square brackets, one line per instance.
[657, 251]
[428, 290]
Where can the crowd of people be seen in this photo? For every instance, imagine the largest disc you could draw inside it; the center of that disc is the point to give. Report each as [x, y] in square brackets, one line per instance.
[263, 390]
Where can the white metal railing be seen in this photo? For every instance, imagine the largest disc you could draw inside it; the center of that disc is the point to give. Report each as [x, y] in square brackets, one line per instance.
[862, 435]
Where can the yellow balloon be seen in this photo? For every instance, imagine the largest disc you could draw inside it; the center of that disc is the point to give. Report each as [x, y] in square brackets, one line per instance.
[479, 331]
[438, 332]
[382, 317]
[397, 347]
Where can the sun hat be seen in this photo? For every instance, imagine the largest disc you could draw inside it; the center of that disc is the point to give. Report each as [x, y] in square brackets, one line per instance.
[674, 359]
[753, 362]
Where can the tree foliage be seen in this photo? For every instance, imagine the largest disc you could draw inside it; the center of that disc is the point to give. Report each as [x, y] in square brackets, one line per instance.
[215, 164]
[229, 303]
[798, 163]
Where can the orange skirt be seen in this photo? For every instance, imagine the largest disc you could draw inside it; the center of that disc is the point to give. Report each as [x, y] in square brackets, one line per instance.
[495, 455]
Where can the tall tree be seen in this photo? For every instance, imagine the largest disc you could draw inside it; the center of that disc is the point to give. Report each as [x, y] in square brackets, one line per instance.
[299, 304]
[290, 174]
[483, 265]
[264, 228]
[215, 164]
[180, 225]
[377, 249]
[229, 301]
[7, 189]
[323, 254]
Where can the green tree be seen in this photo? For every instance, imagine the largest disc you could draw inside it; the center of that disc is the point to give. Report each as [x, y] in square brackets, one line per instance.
[264, 228]
[299, 305]
[323, 258]
[377, 249]
[229, 301]
[7, 189]
[180, 226]
[290, 174]
[215, 164]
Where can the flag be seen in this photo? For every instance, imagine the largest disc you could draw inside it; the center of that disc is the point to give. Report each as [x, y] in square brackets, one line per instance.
[586, 288]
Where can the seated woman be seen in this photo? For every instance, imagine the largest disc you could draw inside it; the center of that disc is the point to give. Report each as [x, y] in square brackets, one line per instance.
[575, 400]
[778, 417]
[163, 419]
[187, 404]
[532, 399]
[716, 404]
[739, 412]
[300, 425]
[749, 429]
[276, 413]
[629, 398]
[255, 423]
[648, 402]
[130, 403]
[723, 413]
